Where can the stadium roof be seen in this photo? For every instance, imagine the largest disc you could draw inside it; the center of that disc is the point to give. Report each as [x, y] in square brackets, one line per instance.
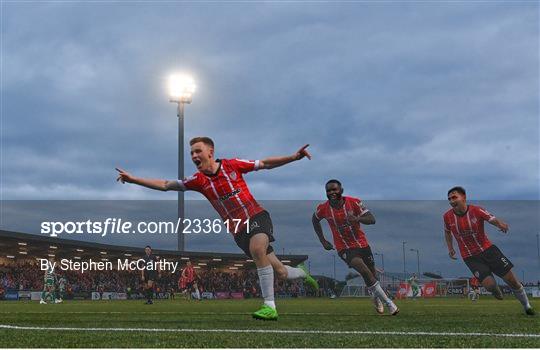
[17, 245]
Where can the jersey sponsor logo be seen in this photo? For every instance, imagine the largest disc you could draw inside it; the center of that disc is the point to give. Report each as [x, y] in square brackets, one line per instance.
[343, 227]
[468, 233]
[229, 195]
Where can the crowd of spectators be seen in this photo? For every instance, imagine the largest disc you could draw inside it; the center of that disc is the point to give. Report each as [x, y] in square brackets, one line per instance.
[25, 276]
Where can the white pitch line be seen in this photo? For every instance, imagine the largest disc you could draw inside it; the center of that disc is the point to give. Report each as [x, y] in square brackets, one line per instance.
[175, 312]
[267, 331]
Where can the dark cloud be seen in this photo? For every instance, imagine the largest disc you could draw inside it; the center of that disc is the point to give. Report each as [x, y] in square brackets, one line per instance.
[398, 100]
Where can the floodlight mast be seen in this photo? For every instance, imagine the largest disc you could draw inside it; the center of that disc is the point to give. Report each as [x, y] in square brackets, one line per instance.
[181, 89]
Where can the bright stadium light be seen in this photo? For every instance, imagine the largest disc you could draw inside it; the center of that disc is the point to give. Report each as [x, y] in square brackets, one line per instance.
[181, 88]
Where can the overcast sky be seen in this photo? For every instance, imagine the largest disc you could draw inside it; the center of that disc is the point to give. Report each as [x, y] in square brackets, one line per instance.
[399, 100]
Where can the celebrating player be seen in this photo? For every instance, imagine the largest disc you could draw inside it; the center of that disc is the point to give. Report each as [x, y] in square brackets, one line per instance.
[466, 224]
[190, 280]
[148, 276]
[221, 181]
[344, 216]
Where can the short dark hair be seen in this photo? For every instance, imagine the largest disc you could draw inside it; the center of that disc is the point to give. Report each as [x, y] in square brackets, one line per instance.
[457, 189]
[204, 139]
[147, 247]
[333, 181]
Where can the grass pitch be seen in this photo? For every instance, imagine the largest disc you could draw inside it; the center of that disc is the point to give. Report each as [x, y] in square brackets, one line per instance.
[338, 323]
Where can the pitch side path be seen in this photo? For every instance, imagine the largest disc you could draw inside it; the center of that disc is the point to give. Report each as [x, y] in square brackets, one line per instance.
[303, 323]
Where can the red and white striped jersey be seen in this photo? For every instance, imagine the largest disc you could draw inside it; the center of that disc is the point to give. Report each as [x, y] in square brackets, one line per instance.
[188, 274]
[468, 229]
[346, 234]
[227, 191]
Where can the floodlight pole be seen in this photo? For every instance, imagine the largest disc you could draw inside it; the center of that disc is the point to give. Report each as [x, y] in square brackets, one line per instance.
[382, 259]
[417, 260]
[334, 258]
[180, 115]
[404, 271]
[180, 102]
[538, 251]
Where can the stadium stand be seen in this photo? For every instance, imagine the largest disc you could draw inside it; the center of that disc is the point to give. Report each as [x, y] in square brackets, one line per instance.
[223, 275]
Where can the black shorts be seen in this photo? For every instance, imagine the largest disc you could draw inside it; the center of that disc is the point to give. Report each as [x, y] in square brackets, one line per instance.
[365, 253]
[150, 276]
[260, 223]
[491, 260]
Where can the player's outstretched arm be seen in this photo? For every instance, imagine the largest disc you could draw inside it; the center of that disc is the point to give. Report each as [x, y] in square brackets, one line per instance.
[450, 244]
[501, 225]
[155, 184]
[274, 162]
[318, 230]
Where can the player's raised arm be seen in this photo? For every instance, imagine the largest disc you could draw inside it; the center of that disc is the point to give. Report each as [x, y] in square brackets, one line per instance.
[274, 162]
[155, 184]
[319, 231]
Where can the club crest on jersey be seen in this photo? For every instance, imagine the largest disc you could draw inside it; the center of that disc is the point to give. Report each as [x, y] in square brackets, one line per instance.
[233, 175]
[473, 220]
[476, 274]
